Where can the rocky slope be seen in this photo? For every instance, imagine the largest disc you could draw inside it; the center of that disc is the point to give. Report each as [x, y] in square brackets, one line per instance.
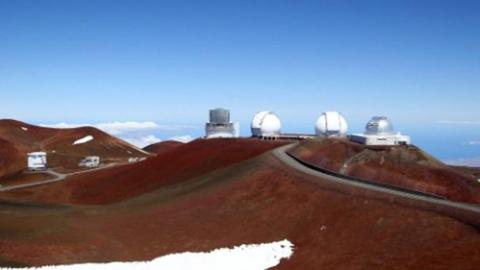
[180, 164]
[405, 166]
[226, 198]
[60, 147]
[162, 147]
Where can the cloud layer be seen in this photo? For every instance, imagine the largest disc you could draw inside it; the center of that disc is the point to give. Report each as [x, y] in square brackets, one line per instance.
[472, 162]
[139, 134]
[464, 122]
[473, 143]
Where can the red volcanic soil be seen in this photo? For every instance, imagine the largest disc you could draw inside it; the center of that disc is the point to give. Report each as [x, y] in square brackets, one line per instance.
[24, 178]
[58, 143]
[179, 164]
[475, 171]
[405, 166]
[253, 201]
[11, 159]
[162, 147]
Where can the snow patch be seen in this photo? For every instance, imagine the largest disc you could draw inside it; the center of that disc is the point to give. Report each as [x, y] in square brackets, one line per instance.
[83, 140]
[245, 257]
[24, 129]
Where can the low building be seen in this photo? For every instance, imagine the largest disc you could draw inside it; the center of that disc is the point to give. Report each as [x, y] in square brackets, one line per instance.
[219, 125]
[379, 131]
[37, 161]
[90, 162]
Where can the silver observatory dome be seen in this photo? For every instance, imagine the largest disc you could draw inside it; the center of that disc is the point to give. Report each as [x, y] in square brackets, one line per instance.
[379, 125]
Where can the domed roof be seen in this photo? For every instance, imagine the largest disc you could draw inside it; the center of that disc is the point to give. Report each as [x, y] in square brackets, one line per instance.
[379, 125]
[331, 124]
[266, 123]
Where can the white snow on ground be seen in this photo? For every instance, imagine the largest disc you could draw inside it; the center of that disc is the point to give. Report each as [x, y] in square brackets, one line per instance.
[24, 129]
[83, 140]
[245, 257]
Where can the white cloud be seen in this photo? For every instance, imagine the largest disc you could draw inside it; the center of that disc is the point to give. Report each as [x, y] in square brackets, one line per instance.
[473, 142]
[143, 141]
[183, 139]
[245, 257]
[465, 122]
[139, 134]
[472, 162]
[119, 128]
[114, 128]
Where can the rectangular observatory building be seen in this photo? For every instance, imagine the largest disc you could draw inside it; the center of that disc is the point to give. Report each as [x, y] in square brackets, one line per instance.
[219, 125]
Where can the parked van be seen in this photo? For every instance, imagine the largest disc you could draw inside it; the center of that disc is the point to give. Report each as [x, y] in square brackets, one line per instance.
[37, 161]
[90, 162]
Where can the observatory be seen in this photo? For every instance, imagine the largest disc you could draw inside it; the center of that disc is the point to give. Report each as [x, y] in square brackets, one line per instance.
[266, 124]
[37, 161]
[379, 131]
[220, 126]
[331, 124]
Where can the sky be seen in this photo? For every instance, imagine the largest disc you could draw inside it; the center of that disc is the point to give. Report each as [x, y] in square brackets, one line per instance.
[168, 62]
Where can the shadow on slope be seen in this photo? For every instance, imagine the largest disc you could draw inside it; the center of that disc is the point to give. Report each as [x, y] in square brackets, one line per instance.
[405, 166]
[253, 201]
[115, 184]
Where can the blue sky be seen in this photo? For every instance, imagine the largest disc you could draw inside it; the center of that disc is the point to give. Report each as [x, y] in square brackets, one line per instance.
[417, 62]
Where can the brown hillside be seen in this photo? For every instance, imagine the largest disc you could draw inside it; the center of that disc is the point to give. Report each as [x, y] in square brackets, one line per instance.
[162, 147]
[115, 184]
[254, 201]
[58, 143]
[405, 166]
[11, 159]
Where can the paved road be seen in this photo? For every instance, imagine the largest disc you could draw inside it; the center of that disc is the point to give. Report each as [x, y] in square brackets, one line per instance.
[57, 177]
[291, 162]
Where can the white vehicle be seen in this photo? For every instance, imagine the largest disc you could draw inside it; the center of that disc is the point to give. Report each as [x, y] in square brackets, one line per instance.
[37, 161]
[90, 162]
[136, 159]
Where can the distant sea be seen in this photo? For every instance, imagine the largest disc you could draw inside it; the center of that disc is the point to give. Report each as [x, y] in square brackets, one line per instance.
[456, 144]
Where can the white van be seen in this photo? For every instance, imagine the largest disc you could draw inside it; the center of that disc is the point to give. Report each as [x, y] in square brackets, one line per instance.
[37, 161]
[90, 162]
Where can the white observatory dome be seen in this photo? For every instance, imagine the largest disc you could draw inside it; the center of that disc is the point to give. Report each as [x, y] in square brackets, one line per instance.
[266, 123]
[331, 124]
[379, 125]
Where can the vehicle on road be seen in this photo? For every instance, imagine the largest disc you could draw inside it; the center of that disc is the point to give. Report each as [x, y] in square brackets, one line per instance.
[90, 162]
[37, 161]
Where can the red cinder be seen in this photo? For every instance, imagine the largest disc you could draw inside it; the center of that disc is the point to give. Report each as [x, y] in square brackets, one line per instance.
[405, 166]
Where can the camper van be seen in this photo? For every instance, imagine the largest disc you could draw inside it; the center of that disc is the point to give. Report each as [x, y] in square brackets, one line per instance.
[37, 161]
[90, 162]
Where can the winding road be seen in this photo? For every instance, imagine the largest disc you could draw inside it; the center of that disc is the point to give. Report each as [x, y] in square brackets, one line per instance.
[57, 177]
[281, 154]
